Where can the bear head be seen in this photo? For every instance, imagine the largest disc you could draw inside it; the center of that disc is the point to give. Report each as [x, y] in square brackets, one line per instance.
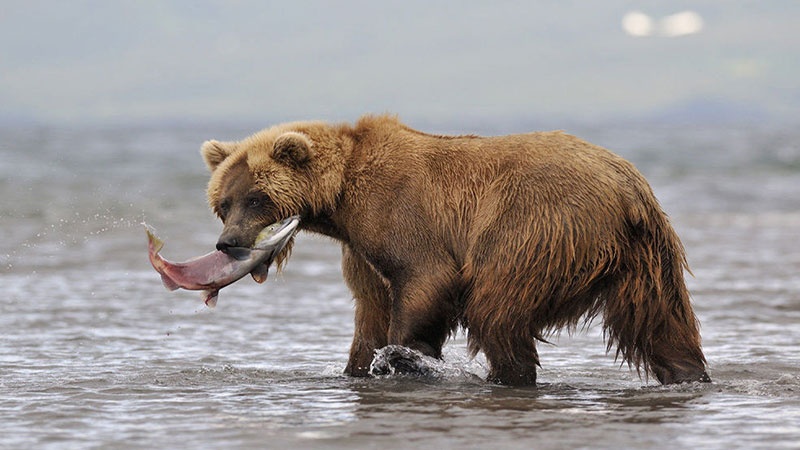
[286, 170]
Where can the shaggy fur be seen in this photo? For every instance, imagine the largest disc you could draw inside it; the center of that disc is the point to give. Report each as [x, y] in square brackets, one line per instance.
[511, 237]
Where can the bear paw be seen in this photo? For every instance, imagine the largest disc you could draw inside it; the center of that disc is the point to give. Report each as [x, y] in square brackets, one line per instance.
[396, 359]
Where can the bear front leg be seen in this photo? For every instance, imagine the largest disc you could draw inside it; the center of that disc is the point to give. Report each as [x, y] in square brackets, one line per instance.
[425, 310]
[372, 312]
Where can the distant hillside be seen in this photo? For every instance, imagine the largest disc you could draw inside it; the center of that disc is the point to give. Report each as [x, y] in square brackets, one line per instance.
[709, 111]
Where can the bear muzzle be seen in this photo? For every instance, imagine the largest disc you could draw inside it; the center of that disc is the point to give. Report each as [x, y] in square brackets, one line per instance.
[230, 245]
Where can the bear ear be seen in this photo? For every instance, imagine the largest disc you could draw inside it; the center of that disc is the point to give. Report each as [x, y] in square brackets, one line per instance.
[214, 152]
[292, 148]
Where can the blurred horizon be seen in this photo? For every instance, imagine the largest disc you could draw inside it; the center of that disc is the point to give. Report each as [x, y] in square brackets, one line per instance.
[504, 65]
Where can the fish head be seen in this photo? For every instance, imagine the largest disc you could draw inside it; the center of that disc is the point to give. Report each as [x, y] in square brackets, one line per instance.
[277, 235]
[272, 241]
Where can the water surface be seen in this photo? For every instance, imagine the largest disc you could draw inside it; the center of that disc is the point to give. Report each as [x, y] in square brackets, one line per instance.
[95, 353]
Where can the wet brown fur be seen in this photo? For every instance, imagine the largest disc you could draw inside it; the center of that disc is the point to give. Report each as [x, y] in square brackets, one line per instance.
[511, 237]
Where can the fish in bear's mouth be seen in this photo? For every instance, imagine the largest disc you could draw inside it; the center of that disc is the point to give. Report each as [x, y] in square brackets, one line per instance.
[213, 271]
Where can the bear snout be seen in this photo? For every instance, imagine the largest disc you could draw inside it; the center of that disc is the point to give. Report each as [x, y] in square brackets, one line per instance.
[232, 248]
[226, 242]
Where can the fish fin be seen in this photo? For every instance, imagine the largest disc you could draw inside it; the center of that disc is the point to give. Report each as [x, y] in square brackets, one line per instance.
[260, 273]
[210, 297]
[168, 283]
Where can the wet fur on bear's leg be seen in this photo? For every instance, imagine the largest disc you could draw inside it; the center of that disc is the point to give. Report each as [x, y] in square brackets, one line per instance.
[512, 374]
[647, 310]
[512, 358]
[425, 310]
[372, 307]
[419, 320]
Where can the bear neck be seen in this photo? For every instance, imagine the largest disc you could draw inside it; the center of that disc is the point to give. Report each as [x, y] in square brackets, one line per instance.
[362, 161]
[321, 214]
[360, 148]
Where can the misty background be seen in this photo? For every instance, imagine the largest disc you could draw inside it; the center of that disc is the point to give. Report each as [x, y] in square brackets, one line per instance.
[502, 65]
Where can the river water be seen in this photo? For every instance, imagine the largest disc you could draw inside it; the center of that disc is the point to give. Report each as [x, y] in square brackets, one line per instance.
[95, 353]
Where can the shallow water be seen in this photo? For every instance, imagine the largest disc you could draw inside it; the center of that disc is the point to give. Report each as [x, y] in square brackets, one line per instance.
[95, 353]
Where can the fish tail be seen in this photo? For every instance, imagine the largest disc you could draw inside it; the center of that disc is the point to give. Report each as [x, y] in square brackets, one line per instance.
[155, 243]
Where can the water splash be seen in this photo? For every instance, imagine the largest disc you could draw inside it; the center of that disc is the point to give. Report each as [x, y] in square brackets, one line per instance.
[395, 360]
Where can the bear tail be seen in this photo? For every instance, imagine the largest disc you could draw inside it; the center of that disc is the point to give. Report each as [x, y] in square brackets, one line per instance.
[647, 311]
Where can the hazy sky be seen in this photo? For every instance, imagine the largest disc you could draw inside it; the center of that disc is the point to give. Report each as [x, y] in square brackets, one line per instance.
[112, 61]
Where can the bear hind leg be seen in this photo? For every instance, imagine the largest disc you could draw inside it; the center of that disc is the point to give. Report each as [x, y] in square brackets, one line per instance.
[512, 356]
[679, 370]
[649, 316]
[666, 343]
[511, 373]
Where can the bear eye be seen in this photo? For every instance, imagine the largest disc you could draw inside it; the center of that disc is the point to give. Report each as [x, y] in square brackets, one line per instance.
[254, 202]
[224, 207]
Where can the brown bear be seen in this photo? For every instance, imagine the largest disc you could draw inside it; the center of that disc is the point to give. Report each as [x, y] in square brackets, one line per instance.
[509, 237]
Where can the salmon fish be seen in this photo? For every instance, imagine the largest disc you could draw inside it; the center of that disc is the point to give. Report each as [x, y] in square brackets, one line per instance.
[213, 271]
